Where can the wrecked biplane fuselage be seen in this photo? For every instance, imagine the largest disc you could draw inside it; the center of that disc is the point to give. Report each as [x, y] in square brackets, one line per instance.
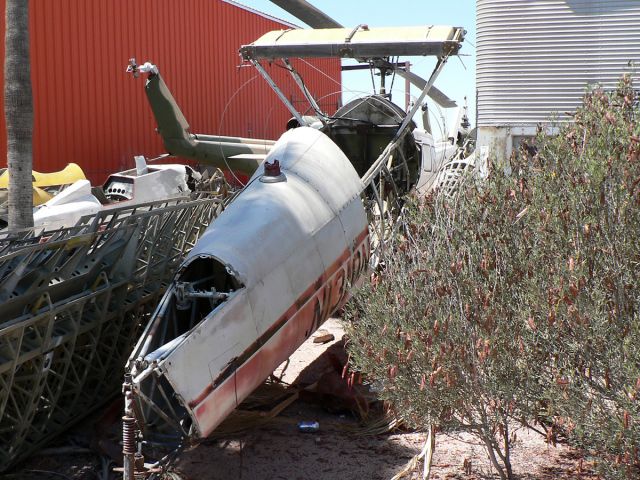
[266, 274]
[281, 258]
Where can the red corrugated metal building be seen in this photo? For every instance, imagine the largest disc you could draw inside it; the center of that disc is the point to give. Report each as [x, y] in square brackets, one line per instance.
[89, 111]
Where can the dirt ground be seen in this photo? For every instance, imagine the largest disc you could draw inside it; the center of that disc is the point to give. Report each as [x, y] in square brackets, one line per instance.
[277, 449]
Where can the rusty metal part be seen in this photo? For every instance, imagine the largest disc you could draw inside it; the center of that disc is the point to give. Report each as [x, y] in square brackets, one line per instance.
[129, 447]
[129, 441]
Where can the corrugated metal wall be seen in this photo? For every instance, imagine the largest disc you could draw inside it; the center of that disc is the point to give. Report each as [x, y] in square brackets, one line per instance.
[535, 57]
[88, 111]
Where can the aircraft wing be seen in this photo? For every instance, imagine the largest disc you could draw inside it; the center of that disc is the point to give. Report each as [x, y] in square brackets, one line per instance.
[360, 42]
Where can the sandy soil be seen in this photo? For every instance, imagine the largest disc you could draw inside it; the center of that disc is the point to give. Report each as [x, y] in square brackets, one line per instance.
[278, 450]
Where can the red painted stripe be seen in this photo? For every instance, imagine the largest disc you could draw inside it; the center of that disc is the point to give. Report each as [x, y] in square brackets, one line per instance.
[298, 322]
[303, 299]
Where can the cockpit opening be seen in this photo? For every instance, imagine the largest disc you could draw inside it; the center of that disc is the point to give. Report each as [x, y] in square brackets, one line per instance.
[202, 285]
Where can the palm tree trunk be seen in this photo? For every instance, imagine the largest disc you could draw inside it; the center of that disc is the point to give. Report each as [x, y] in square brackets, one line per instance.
[18, 111]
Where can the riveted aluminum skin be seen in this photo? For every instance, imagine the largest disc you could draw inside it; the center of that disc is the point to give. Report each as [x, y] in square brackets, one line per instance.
[295, 247]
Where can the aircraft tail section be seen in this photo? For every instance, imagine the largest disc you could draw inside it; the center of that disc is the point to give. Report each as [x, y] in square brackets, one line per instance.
[172, 124]
[227, 153]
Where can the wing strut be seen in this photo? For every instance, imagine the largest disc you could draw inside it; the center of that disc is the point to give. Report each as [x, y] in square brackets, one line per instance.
[278, 92]
[377, 165]
[298, 79]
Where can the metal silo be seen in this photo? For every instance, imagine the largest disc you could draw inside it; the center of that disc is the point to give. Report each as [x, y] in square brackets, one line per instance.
[536, 57]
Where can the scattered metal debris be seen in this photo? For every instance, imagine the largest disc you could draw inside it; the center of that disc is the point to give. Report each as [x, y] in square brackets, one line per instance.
[308, 427]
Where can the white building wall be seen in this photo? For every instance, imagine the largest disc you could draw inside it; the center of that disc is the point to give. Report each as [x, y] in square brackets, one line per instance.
[536, 57]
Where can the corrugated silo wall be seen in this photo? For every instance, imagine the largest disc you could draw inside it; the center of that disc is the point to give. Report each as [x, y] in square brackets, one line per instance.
[88, 111]
[536, 57]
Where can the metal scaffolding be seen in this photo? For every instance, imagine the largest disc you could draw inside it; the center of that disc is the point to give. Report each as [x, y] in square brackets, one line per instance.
[71, 305]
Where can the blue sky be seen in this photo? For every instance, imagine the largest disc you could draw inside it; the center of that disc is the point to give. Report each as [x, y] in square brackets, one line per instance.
[458, 77]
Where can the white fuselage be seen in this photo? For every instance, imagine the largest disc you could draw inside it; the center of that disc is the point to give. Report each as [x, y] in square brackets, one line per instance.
[293, 247]
[433, 156]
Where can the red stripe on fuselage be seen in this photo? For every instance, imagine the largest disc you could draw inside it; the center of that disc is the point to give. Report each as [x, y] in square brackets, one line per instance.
[316, 286]
[300, 320]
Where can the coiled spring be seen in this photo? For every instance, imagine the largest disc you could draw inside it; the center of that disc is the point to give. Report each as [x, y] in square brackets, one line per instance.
[128, 435]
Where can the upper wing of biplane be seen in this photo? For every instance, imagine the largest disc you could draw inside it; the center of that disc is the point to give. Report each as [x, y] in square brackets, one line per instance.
[362, 43]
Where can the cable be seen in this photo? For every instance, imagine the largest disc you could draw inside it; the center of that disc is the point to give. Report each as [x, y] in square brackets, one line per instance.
[344, 89]
[224, 112]
[321, 72]
[305, 90]
[393, 76]
[336, 92]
